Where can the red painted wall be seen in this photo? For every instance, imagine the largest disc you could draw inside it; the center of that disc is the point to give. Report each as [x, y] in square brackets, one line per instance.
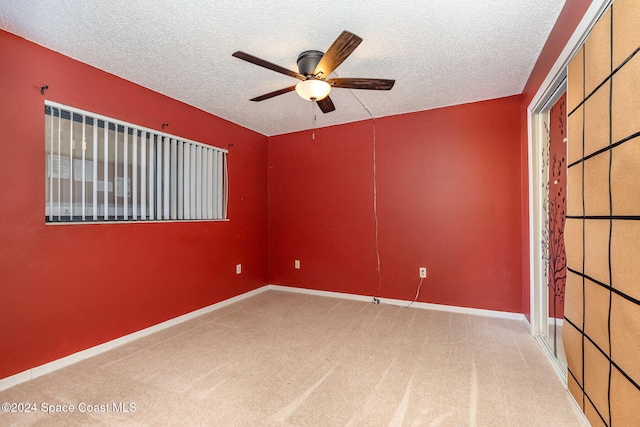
[449, 183]
[569, 18]
[66, 288]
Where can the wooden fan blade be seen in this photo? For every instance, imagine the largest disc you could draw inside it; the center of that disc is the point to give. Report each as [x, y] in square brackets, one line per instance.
[341, 48]
[266, 64]
[326, 105]
[358, 83]
[272, 94]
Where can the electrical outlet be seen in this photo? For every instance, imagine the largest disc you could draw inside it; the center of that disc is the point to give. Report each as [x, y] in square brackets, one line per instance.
[238, 268]
[296, 264]
[423, 272]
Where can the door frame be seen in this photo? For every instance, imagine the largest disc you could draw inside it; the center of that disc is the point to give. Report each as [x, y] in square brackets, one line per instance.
[547, 94]
[540, 182]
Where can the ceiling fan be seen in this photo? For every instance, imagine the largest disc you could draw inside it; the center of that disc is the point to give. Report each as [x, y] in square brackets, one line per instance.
[314, 68]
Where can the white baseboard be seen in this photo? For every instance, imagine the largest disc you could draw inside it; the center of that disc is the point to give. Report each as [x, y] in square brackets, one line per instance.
[47, 368]
[330, 294]
[528, 325]
[402, 303]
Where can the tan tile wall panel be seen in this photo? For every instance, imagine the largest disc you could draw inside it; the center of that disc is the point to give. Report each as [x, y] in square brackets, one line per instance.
[625, 409]
[596, 323]
[575, 390]
[596, 185]
[574, 134]
[573, 244]
[625, 335]
[626, 100]
[574, 191]
[597, 57]
[625, 259]
[625, 178]
[592, 416]
[573, 292]
[596, 121]
[596, 250]
[572, 341]
[596, 379]
[575, 85]
[626, 30]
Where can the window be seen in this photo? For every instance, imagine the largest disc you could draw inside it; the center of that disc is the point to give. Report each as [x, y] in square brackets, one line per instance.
[103, 169]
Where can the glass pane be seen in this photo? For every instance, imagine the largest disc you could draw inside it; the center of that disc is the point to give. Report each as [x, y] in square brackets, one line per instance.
[88, 167]
[111, 172]
[77, 169]
[58, 164]
[556, 208]
[99, 170]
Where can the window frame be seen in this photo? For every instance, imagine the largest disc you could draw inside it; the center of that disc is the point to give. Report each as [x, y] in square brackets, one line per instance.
[176, 174]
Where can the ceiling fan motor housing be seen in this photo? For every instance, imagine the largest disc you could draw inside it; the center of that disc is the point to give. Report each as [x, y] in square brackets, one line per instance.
[308, 60]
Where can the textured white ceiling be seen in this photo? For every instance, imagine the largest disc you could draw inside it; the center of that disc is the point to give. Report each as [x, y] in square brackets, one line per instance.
[440, 52]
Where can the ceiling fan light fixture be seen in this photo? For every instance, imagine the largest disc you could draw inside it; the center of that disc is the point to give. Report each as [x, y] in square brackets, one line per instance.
[313, 89]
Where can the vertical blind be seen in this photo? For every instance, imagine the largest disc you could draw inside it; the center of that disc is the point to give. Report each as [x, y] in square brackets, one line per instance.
[103, 169]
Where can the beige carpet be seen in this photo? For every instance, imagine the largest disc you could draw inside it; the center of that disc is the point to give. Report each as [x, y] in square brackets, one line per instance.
[285, 359]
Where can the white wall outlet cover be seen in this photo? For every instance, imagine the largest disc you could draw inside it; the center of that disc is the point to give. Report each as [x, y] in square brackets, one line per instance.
[238, 268]
[297, 264]
[423, 272]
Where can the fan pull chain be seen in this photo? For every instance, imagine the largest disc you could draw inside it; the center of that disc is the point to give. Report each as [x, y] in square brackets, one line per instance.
[313, 113]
